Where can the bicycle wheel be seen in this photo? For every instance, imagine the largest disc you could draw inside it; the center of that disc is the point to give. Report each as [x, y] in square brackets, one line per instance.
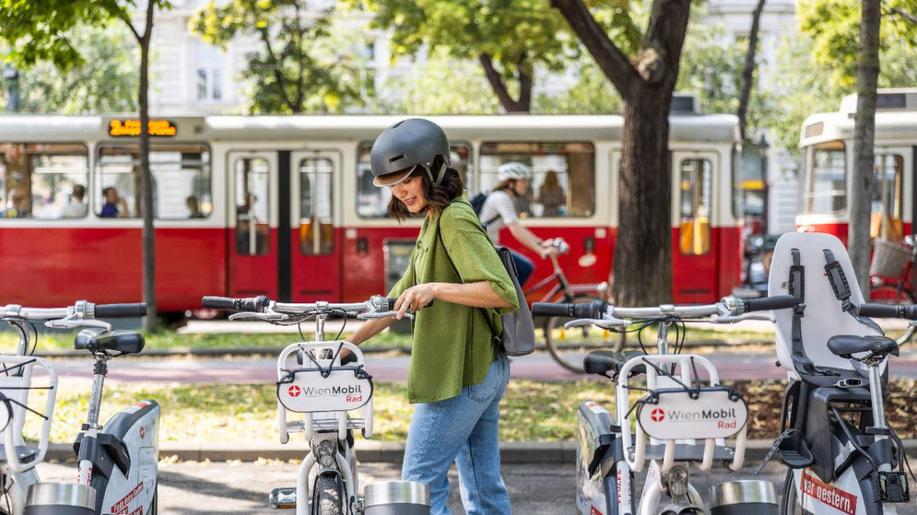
[327, 497]
[891, 295]
[568, 347]
[790, 505]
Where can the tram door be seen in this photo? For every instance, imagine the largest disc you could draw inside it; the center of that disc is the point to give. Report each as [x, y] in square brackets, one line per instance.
[252, 185]
[694, 211]
[888, 197]
[315, 245]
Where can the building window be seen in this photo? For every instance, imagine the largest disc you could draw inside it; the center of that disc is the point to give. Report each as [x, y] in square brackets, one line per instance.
[209, 73]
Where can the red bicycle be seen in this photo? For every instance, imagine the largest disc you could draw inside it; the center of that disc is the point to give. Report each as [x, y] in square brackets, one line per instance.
[560, 289]
[890, 273]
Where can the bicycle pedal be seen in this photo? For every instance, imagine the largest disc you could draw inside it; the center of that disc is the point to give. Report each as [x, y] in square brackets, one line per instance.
[283, 498]
[892, 486]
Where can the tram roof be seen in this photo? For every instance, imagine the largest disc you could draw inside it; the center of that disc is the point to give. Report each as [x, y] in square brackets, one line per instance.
[824, 127]
[683, 127]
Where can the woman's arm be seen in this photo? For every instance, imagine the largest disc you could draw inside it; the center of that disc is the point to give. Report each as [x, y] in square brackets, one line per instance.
[477, 295]
[369, 329]
[528, 238]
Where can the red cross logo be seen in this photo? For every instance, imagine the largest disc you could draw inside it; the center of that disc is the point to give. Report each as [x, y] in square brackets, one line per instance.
[658, 415]
[142, 432]
[294, 390]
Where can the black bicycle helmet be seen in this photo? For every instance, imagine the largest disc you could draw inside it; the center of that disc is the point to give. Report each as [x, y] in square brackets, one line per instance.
[405, 145]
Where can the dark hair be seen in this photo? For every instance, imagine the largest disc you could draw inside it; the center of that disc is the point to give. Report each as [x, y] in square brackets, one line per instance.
[436, 196]
[107, 189]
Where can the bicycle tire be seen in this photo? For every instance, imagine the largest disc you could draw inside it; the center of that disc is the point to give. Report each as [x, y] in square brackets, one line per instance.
[789, 504]
[574, 365]
[891, 295]
[328, 495]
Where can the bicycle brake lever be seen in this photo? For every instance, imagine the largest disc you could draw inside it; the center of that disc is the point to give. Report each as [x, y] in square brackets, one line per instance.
[261, 317]
[731, 319]
[382, 314]
[73, 323]
[598, 322]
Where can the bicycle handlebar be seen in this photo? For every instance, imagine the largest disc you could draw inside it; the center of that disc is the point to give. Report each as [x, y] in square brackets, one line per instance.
[258, 305]
[729, 306]
[768, 303]
[906, 311]
[81, 309]
[252, 304]
[592, 309]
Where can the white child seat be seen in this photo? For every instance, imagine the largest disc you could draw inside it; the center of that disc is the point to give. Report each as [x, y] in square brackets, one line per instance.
[823, 315]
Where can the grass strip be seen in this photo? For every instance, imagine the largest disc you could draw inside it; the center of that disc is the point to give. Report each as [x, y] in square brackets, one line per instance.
[530, 411]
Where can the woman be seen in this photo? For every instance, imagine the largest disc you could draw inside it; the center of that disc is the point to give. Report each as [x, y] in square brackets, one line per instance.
[500, 210]
[455, 278]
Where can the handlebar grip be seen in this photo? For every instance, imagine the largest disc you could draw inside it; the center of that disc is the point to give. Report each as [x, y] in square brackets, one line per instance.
[908, 311]
[120, 310]
[770, 303]
[592, 309]
[251, 304]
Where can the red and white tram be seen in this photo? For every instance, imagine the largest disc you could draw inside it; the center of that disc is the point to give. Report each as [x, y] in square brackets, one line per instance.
[284, 205]
[827, 140]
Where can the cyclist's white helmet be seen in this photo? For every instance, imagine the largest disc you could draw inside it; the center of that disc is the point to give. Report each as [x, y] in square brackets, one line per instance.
[513, 170]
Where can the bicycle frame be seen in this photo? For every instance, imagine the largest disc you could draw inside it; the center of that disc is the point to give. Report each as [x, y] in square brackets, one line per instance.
[563, 290]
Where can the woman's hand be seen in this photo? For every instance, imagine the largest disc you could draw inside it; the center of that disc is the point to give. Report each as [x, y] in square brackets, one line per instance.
[415, 298]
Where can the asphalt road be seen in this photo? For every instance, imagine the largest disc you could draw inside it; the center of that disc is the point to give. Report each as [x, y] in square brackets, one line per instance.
[731, 366]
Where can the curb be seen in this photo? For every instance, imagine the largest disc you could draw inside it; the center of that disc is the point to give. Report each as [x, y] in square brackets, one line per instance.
[368, 451]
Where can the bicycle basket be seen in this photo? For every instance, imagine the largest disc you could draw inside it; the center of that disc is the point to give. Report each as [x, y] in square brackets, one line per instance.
[889, 258]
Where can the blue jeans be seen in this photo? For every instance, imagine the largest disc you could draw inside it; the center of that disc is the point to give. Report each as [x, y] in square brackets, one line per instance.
[464, 430]
[524, 267]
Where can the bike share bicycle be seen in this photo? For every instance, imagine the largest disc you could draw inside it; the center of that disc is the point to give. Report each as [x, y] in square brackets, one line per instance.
[842, 456]
[315, 383]
[117, 462]
[684, 415]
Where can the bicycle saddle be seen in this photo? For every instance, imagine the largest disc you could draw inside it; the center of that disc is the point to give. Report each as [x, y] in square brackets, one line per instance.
[846, 345]
[602, 361]
[124, 342]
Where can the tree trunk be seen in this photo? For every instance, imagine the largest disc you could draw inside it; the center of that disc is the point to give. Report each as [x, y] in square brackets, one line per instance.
[643, 251]
[511, 105]
[748, 74]
[146, 181]
[858, 242]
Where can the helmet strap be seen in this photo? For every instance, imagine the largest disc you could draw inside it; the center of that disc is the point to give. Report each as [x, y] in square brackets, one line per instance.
[439, 175]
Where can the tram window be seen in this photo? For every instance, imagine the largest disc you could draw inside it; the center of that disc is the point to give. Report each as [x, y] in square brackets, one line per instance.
[372, 202]
[252, 180]
[43, 180]
[181, 182]
[826, 182]
[738, 208]
[316, 225]
[695, 206]
[563, 176]
[887, 197]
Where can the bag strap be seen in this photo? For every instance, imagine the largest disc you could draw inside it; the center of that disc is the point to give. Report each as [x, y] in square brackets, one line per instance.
[493, 330]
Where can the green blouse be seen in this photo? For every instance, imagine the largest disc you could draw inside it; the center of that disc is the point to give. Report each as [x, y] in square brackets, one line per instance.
[452, 345]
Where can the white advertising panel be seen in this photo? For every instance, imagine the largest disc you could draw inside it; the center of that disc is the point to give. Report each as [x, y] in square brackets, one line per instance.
[309, 392]
[713, 414]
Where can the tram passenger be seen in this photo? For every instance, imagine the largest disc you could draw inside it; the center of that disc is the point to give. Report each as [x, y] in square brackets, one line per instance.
[551, 195]
[499, 210]
[455, 279]
[194, 207]
[76, 207]
[17, 207]
[110, 209]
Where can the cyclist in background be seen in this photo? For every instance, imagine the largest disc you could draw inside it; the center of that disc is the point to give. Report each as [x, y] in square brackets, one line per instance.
[499, 210]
